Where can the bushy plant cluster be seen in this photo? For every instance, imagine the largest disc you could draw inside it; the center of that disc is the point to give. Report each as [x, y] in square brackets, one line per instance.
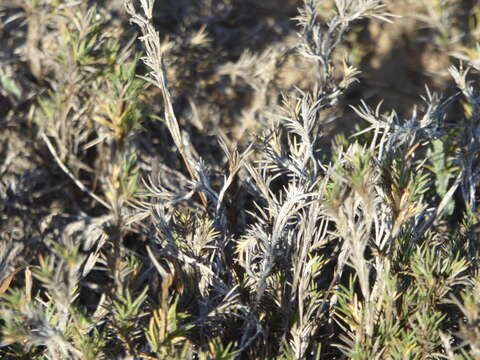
[173, 184]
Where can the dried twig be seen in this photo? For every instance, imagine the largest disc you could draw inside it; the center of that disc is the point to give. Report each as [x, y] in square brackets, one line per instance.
[69, 173]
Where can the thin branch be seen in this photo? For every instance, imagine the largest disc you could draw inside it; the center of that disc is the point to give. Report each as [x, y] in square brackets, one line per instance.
[69, 173]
